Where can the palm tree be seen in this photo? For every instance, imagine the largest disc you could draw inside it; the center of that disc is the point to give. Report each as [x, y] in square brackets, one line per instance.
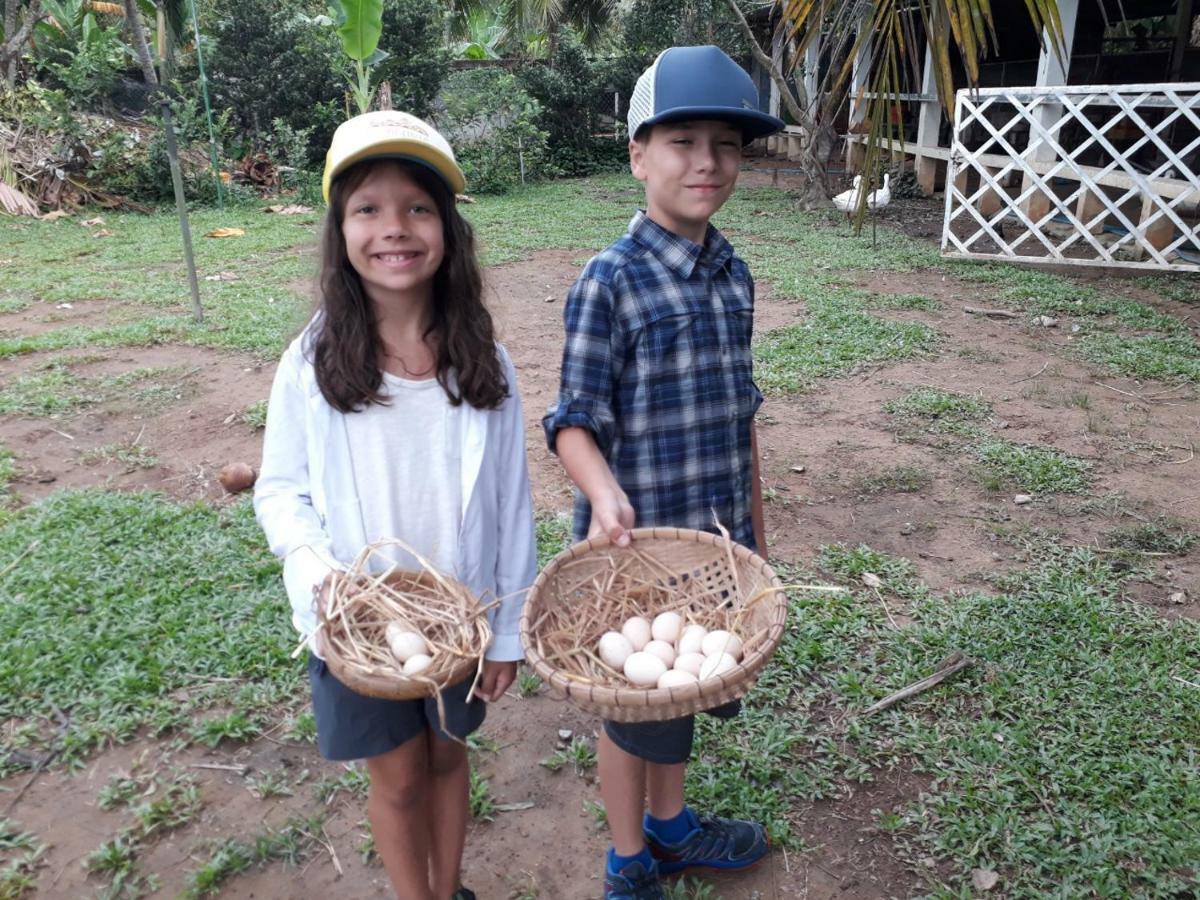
[522, 18]
[887, 43]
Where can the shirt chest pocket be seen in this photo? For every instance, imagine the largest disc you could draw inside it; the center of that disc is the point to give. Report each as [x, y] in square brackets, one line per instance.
[700, 333]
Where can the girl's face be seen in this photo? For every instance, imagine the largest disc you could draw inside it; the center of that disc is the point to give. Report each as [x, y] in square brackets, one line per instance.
[394, 238]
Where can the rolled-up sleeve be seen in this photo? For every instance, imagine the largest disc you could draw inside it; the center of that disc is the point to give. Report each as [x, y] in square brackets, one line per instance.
[592, 361]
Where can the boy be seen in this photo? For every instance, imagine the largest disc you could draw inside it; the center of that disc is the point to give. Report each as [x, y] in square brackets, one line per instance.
[655, 418]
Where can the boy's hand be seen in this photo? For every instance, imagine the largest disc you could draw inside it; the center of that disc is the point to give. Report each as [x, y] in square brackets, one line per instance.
[496, 679]
[612, 515]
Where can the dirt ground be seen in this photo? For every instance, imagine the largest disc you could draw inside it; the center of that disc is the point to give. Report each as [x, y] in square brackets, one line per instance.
[817, 448]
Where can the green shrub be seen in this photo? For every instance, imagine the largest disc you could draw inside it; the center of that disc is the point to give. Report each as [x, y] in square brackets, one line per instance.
[84, 59]
[418, 62]
[572, 94]
[269, 62]
[491, 122]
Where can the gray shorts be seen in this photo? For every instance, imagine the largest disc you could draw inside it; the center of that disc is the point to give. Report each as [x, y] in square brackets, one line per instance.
[665, 743]
[351, 726]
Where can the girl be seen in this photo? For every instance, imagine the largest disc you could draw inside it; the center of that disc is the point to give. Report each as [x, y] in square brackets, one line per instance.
[395, 414]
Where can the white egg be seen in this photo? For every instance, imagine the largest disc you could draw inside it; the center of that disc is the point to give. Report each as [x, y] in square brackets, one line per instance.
[689, 662]
[722, 642]
[415, 665]
[717, 664]
[663, 651]
[644, 669]
[666, 627]
[637, 630]
[614, 648]
[405, 644]
[691, 639]
[676, 678]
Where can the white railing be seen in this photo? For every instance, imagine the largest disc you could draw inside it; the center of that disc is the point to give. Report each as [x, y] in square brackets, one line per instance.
[1109, 213]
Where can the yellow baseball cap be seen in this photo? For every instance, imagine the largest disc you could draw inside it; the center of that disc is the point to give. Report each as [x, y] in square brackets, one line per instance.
[390, 134]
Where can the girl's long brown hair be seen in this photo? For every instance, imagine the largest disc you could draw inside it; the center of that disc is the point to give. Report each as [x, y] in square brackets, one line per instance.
[345, 346]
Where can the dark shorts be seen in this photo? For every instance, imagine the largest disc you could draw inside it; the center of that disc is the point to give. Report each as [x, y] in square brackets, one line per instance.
[666, 743]
[351, 726]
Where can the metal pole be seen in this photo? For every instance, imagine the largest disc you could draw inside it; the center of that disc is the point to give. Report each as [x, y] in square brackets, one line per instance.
[521, 158]
[181, 206]
[212, 138]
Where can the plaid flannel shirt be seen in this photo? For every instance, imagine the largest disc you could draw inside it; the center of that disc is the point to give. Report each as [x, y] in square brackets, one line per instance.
[657, 367]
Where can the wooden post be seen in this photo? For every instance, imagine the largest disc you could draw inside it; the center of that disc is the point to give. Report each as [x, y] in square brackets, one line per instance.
[929, 122]
[859, 80]
[1051, 71]
[1086, 207]
[1159, 234]
[991, 202]
[812, 78]
[777, 60]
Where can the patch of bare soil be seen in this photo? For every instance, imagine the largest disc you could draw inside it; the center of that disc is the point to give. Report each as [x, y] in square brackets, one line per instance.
[818, 451]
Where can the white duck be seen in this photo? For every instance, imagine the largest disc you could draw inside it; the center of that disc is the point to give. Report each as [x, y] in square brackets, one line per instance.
[880, 198]
[847, 201]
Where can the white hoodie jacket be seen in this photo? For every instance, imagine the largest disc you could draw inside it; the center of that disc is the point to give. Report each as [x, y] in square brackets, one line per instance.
[307, 502]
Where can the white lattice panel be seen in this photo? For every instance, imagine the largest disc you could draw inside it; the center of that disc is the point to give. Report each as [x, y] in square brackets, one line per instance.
[1108, 213]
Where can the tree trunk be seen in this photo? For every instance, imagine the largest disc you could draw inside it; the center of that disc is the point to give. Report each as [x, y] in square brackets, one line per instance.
[816, 192]
[137, 34]
[10, 26]
[10, 50]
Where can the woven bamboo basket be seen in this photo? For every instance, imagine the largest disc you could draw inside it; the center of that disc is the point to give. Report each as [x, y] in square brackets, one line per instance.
[361, 606]
[594, 586]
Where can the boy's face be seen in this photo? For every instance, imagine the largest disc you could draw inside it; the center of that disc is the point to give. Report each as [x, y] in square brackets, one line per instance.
[689, 169]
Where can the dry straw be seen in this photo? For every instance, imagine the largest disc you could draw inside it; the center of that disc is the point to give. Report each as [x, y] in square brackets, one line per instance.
[363, 601]
[594, 586]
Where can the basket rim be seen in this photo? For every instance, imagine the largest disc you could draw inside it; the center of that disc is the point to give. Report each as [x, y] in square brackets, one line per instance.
[644, 702]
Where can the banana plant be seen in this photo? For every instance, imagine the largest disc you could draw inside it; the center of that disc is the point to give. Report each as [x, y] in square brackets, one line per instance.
[359, 25]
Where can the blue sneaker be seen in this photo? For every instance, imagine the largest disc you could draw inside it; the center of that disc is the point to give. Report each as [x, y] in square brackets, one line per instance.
[717, 844]
[634, 882]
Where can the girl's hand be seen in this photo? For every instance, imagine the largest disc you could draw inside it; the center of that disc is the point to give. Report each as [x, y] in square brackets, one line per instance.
[320, 601]
[496, 679]
[612, 515]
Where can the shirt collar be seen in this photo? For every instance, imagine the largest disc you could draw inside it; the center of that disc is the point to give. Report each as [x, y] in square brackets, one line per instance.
[676, 252]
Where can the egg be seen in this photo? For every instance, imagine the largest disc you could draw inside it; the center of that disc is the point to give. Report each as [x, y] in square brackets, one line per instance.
[637, 630]
[689, 662]
[722, 642]
[614, 648]
[666, 627]
[644, 669]
[663, 651]
[417, 664]
[405, 643]
[717, 664]
[676, 678]
[691, 639]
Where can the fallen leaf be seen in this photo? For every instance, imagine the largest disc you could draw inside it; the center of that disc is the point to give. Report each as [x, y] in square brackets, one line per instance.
[984, 879]
[55, 215]
[290, 209]
[225, 232]
[103, 232]
[872, 580]
[92, 223]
